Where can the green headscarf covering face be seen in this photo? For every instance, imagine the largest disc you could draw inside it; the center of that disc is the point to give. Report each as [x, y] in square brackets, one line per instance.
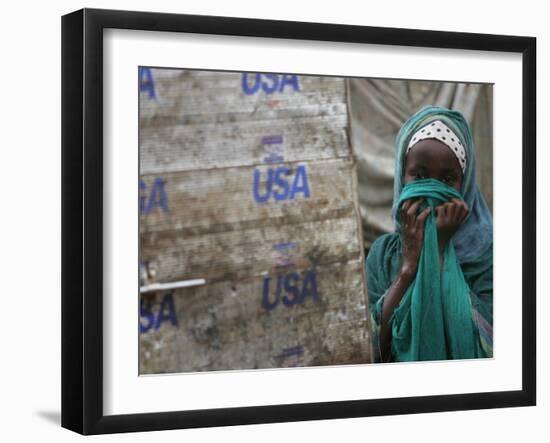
[439, 315]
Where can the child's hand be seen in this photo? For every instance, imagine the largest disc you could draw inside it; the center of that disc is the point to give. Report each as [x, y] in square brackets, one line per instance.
[412, 234]
[449, 216]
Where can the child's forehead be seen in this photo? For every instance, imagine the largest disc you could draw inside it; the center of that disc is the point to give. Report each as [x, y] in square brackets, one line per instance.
[430, 152]
[429, 148]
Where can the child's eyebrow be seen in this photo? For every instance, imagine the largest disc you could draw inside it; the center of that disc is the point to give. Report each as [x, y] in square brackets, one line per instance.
[415, 165]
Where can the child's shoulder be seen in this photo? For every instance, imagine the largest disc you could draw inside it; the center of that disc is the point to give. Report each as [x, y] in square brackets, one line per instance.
[384, 254]
[384, 244]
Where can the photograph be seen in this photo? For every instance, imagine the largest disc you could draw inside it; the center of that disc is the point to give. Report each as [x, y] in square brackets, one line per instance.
[291, 221]
[274, 220]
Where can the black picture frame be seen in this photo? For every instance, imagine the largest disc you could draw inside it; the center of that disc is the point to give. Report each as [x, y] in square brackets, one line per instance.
[82, 219]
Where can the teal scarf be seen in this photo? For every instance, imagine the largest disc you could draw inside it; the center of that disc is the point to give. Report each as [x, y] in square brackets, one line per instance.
[434, 319]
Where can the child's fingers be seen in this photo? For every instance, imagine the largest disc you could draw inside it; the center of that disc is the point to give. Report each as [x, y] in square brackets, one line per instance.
[440, 211]
[413, 209]
[461, 210]
[452, 210]
[423, 216]
[464, 213]
[466, 209]
[405, 207]
[460, 203]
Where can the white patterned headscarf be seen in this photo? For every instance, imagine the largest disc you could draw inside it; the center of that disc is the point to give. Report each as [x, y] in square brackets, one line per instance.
[440, 131]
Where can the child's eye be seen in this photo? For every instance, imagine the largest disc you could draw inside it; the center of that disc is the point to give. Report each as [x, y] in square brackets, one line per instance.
[449, 179]
[419, 176]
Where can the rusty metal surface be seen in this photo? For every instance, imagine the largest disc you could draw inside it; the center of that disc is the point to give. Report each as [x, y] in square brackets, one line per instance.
[252, 188]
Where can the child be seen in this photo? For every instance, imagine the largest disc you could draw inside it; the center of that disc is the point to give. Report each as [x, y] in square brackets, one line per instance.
[430, 283]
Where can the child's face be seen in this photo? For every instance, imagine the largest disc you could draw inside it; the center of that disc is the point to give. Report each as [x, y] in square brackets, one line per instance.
[430, 158]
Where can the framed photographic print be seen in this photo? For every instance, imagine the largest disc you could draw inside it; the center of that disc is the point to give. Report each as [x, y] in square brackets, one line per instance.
[270, 221]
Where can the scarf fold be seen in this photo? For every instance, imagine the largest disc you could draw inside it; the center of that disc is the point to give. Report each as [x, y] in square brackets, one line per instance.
[434, 319]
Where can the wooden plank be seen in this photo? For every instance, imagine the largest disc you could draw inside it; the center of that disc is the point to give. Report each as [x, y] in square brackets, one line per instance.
[320, 319]
[206, 119]
[234, 255]
[207, 201]
[186, 147]
[192, 114]
[188, 97]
